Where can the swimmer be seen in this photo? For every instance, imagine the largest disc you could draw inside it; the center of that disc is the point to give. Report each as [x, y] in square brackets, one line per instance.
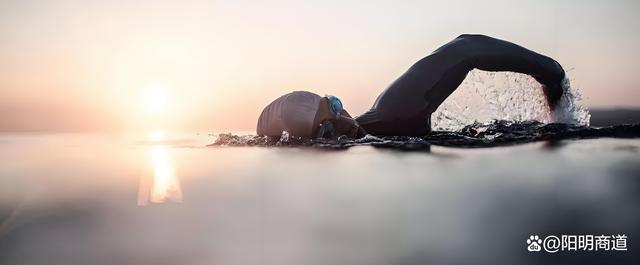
[405, 107]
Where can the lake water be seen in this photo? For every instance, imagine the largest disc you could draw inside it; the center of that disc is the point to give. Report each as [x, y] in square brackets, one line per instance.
[109, 199]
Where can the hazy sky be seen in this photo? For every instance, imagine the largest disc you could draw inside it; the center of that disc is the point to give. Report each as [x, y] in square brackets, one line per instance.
[213, 65]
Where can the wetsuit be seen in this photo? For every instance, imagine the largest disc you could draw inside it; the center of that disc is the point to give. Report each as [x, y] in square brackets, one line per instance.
[405, 107]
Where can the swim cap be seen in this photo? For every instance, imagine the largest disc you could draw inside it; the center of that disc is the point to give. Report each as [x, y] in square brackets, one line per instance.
[293, 112]
[335, 105]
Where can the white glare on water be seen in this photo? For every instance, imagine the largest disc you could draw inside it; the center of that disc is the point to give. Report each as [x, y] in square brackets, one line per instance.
[163, 185]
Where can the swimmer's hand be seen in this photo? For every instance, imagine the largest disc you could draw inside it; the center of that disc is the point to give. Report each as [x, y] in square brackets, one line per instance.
[551, 82]
[553, 93]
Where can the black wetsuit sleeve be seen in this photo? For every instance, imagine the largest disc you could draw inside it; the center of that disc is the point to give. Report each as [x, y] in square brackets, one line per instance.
[405, 106]
[491, 54]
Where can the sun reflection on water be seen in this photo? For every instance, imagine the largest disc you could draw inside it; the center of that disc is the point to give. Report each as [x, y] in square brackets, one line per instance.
[163, 185]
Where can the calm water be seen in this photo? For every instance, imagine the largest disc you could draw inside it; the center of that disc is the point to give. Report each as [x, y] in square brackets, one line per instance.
[98, 199]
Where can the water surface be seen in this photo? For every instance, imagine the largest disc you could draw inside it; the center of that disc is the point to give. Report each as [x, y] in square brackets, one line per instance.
[108, 199]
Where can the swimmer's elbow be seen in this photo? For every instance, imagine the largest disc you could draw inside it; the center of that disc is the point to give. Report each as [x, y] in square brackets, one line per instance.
[468, 45]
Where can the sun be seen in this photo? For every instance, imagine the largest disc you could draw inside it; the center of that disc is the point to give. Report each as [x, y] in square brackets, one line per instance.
[155, 98]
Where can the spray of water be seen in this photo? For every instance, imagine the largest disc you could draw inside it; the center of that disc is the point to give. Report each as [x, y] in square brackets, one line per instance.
[484, 97]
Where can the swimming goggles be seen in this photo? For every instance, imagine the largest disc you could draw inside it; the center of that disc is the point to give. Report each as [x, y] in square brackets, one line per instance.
[335, 105]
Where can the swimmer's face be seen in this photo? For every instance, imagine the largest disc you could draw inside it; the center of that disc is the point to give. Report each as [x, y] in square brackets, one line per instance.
[330, 125]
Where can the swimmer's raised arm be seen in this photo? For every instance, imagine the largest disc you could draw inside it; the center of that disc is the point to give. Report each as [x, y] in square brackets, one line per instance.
[491, 54]
[499, 55]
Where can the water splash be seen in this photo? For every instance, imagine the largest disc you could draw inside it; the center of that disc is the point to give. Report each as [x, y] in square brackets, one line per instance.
[487, 96]
[569, 109]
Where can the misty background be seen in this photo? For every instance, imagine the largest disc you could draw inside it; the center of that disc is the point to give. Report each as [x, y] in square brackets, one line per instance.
[83, 65]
